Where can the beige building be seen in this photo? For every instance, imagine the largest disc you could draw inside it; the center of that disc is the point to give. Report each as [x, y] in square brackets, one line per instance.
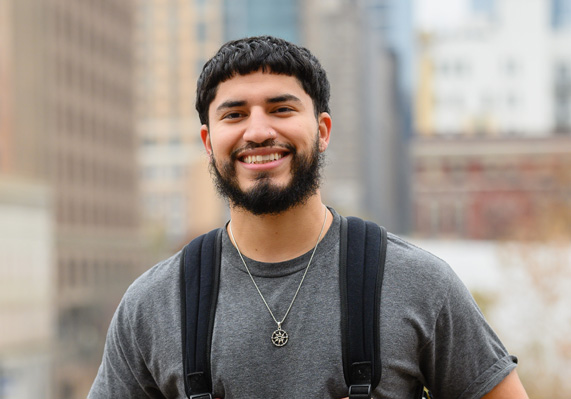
[174, 39]
[67, 121]
[362, 176]
[27, 274]
[5, 85]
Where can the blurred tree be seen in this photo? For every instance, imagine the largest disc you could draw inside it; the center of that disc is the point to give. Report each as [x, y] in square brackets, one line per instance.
[533, 313]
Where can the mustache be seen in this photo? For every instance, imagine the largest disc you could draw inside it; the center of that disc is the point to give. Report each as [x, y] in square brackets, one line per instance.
[266, 143]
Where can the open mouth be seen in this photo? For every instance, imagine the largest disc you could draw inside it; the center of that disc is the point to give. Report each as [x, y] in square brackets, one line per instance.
[261, 159]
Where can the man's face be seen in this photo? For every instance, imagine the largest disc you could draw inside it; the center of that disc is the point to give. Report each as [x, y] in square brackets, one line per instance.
[265, 142]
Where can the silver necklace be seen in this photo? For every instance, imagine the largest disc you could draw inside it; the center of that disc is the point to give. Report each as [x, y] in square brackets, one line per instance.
[279, 336]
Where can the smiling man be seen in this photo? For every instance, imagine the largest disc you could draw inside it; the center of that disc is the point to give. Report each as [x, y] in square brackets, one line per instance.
[277, 325]
[252, 168]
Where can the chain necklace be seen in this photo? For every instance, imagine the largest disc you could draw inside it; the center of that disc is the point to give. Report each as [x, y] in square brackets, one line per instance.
[279, 336]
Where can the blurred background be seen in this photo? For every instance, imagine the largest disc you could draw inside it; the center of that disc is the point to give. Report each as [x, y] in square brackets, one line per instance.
[452, 127]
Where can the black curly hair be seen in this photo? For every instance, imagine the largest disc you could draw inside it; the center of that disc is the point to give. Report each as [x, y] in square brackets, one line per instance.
[266, 53]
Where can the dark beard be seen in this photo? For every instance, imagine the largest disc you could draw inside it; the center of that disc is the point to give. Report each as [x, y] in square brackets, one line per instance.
[266, 198]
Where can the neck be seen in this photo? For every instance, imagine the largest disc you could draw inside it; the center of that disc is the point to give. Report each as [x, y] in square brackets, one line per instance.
[275, 238]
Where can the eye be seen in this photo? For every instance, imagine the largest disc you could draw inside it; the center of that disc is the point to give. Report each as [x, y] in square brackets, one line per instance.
[282, 110]
[233, 115]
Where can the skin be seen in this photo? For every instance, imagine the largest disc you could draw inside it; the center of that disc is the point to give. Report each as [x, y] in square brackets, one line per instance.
[510, 388]
[261, 106]
[252, 109]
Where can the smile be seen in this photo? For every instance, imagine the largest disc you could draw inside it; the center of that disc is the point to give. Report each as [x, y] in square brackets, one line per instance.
[261, 159]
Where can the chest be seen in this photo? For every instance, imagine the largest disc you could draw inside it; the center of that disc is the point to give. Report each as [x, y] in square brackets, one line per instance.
[245, 362]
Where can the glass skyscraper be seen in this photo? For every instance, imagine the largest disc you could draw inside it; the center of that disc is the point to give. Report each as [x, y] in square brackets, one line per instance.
[561, 14]
[262, 17]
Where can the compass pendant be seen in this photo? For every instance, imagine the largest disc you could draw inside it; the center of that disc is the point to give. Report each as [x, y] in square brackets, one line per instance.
[279, 337]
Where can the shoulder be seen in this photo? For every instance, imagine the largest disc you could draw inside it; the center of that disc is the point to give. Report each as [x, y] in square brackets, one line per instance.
[416, 265]
[139, 347]
[418, 284]
[155, 293]
[150, 308]
[161, 275]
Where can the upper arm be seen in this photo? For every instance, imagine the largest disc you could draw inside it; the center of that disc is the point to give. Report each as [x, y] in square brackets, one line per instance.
[465, 357]
[509, 388]
[123, 372]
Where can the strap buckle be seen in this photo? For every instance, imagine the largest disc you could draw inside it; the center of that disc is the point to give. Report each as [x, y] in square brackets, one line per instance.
[360, 391]
[201, 396]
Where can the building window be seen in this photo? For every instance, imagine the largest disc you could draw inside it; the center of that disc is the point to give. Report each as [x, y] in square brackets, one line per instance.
[511, 67]
[560, 14]
[201, 31]
[562, 100]
[483, 6]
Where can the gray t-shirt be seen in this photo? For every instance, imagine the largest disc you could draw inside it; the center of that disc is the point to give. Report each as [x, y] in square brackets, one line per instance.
[432, 332]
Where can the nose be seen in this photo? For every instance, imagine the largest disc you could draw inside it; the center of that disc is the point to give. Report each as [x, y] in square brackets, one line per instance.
[258, 128]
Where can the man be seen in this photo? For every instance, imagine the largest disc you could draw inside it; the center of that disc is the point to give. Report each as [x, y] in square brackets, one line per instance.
[264, 107]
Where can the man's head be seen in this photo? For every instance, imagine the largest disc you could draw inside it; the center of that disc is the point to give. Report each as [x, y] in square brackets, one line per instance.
[266, 53]
[263, 103]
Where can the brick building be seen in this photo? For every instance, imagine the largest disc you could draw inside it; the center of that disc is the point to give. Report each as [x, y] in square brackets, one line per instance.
[490, 188]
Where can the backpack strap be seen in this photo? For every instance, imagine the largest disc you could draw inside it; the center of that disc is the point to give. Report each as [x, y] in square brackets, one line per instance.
[199, 271]
[361, 260]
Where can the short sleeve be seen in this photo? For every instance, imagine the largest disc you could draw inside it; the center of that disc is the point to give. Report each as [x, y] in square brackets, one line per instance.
[122, 373]
[465, 358]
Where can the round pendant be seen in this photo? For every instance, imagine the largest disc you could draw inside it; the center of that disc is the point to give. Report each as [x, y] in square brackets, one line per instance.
[279, 337]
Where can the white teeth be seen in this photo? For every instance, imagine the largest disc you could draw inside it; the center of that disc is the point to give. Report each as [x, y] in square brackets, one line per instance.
[257, 159]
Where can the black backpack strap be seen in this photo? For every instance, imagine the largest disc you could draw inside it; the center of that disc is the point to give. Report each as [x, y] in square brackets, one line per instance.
[362, 260]
[199, 271]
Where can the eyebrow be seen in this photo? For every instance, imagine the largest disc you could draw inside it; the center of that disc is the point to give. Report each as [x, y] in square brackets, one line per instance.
[230, 104]
[272, 100]
[283, 98]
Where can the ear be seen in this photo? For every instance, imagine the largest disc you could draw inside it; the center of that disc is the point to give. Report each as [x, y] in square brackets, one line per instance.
[205, 136]
[324, 126]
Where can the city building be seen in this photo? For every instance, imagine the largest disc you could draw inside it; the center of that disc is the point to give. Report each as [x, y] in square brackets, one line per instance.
[560, 88]
[67, 124]
[502, 74]
[27, 291]
[393, 22]
[173, 41]
[493, 118]
[175, 38]
[561, 14]
[362, 174]
[503, 188]
[244, 18]
[6, 98]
